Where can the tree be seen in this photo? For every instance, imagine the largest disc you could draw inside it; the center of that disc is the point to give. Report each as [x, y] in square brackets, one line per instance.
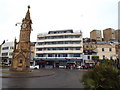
[104, 76]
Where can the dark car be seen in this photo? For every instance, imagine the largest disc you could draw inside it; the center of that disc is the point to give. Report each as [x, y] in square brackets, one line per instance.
[70, 66]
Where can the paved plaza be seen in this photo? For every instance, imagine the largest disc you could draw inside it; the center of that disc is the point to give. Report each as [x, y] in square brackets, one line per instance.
[44, 78]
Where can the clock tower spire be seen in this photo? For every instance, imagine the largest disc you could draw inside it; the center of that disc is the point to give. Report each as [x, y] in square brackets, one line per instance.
[21, 55]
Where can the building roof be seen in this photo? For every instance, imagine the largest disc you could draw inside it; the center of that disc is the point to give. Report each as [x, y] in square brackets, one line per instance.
[61, 31]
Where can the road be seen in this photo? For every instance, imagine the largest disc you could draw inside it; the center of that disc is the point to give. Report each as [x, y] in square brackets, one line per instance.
[61, 79]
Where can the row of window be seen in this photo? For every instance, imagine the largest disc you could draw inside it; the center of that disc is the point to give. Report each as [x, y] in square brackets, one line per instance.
[58, 55]
[110, 49]
[105, 57]
[6, 48]
[6, 54]
[57, 48]
[58, 37]
[61, 42]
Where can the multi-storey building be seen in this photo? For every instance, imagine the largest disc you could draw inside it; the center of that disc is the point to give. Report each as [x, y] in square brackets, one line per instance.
[59, 47]
[88, 50]
[106, 51]
[109, 34]
[7, 52]
[96, 35]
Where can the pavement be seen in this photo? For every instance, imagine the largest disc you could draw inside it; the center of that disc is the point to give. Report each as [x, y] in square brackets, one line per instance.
[5, 73]
[62, 78]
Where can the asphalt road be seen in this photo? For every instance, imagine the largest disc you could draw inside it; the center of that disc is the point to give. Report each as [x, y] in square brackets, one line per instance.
[61, 79]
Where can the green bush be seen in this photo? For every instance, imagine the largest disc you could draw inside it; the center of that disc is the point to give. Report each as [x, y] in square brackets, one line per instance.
[104, 76]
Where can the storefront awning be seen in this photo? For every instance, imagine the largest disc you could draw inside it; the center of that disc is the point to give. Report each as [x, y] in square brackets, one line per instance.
[56, 59]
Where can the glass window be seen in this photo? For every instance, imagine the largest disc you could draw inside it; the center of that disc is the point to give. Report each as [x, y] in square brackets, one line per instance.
[5, 48]
[11, 47]
[66, 42]
[110, 49]
[88, 57]
[11, 54]
[39, 49]
[5, 54]
[64, 55]
[102, 49]
[76, 55]
[103, 56]
[39, 55]
[66, 48]
[49, 55]
[77, 48]
[77, 36]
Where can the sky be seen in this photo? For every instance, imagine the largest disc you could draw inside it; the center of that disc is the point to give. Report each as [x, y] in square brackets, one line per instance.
[50, 15]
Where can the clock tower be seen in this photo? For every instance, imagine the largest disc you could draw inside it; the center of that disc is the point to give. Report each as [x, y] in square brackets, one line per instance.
[21, 55]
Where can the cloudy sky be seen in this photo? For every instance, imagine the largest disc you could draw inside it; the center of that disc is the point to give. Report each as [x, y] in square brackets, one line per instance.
[47, 15]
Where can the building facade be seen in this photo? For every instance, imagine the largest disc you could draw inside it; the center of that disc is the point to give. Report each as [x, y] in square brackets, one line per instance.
[106, 51]
[96, 35]
[89, 46]
[109, 34]
[7, 52]
[59, 47]
[117, 35]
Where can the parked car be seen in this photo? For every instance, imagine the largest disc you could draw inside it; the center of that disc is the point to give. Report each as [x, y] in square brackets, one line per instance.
[78, 67]
[34, 67]
[62, 66]
[70, 65]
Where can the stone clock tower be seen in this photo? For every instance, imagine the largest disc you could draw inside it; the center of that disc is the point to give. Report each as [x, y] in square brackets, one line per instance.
[21, 54]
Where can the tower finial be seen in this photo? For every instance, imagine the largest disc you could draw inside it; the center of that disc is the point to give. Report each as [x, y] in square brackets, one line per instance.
[28, 6]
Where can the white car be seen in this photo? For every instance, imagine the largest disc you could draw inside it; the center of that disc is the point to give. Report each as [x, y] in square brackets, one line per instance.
[62, 66]
[34, 67]
[79, 67]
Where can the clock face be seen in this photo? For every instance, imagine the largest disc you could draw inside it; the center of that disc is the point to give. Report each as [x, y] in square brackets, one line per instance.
[24, 25]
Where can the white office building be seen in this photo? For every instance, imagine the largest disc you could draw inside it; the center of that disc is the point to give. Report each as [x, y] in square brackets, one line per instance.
[59, 47]
[7, 52]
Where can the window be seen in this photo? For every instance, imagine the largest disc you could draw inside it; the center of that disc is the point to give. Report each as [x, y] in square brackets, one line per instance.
[39, 43]
[11, 47]
[87, 47]
[77, 36]
[102, 49]
[66, 48]
[111, 58]
[55, 55]
[103, 56]
[88, 57]
[39, 55]
[49, 55]
[39, 49]
[64, 55]
[5, 48]
[48, 48]
[110, 49]
[4, 54]
[76, 55]
[66, 42]
[11, 54]
[76, 42]
[77, 48]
